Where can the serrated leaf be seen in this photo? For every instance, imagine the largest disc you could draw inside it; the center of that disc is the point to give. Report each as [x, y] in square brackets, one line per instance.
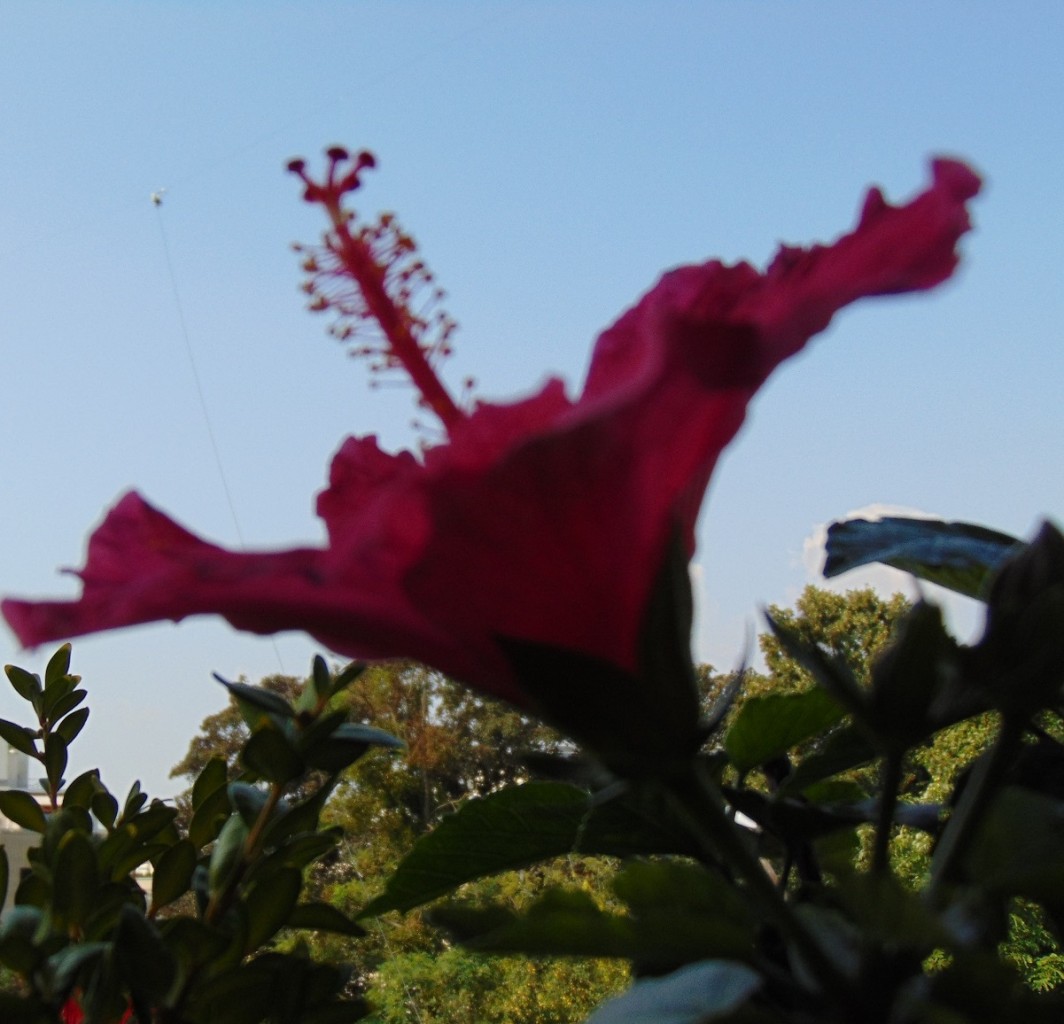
[18, 737]
[26, 684]
[323, 917]
[958, 556]
[696, 994]
[515, 827]
[767, 727]
[23, 810]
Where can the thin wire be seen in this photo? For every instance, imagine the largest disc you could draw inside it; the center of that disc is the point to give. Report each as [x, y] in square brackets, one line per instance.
[156, 200]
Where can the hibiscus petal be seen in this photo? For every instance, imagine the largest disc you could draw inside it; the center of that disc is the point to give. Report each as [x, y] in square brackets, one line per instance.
[544, 520]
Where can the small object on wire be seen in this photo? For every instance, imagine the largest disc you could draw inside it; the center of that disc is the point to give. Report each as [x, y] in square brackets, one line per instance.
[157, 197]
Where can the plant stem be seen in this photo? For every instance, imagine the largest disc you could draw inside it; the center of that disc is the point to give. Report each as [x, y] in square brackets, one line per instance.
[888, 801]
[972, 805]
[705, 814]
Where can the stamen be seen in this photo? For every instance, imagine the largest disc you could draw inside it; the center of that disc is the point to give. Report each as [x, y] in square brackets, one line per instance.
[383, 296]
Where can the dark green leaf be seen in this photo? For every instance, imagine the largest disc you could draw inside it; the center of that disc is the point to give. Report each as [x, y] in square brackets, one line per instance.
[258, 699]
[26, 684]
[270, 756]
[173, 873]
[141, 957]
[61, 697]
[697, 994]
[105, 807]
[515, 827]
[15, 736]
[297, 818]
[323, 917]
[5, 875]
[81, 791]
[150, 822]
[1019, 850]
[268, 905]
[210, 815]
[248, 801]
[227, 852]
[58, 665]
[23, 810]
[958, 556]
[70, 726]
[75, 877]
[213, 776]
[767, 727]
[847, 748]
[66, 704]
[135, 800]
[346, 745]
[55, 758]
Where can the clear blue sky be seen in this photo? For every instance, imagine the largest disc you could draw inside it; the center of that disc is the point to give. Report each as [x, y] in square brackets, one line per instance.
[552, 159]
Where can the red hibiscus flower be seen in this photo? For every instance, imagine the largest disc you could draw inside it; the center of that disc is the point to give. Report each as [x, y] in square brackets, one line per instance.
[538, 525]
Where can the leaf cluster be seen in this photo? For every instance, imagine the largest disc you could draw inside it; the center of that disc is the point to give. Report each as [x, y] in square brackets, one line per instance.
[83, 933]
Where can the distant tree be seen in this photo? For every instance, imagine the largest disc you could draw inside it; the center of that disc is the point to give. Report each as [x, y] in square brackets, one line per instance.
[458, 746]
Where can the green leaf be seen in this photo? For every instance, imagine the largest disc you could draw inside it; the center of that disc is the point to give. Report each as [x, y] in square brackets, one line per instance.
[515, 827]
[19, 738]
[5, 875]
[75, 877]
[26, 684]
[141, 957]
[767, 727]
[70, 726]
[1020, 848]
[210, 815]
[323, 917]
[562, 922]
[958, 556]
[346, 745]
[81, 791]
[58, 665]
[135, 800]
[55, 758]
[173, 873]
[105, 807]
[66, 704]
[23, 810]
[269, 904]
[847, 748]
[270, 756]
[696, 994]
[214, 775]
[227, 852]
[59, 695]
[248, 801]
[257, 703]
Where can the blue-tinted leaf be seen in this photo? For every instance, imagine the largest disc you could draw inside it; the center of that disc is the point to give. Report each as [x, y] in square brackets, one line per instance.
[958, 556]
[696, 994]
